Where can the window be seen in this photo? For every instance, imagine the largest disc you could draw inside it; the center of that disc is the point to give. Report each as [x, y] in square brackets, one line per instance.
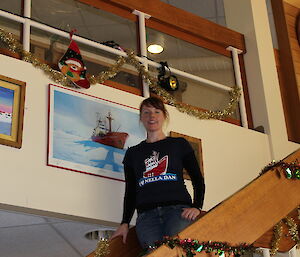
[198, 61]
[197, 54]
[51, 47]
[13, 27]
[12, 6]
[212, 10]
[91, 23]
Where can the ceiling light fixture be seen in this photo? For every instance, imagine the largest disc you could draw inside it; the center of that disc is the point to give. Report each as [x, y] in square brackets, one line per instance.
[155, 49]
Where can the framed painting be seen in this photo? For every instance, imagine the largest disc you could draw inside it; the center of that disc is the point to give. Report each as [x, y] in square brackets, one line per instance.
[12, 99]
[197, 147]
[89, 134]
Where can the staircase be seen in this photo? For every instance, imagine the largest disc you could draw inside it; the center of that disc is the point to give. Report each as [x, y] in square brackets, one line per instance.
[248, 216]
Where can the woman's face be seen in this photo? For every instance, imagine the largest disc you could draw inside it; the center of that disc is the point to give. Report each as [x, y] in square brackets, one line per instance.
[152, 118]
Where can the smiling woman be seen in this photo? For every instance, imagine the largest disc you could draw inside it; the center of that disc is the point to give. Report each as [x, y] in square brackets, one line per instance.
[153, 115]
[154, 181]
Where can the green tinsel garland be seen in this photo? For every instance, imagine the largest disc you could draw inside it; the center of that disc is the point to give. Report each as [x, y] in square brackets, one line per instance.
[291, 170]
[192, 246]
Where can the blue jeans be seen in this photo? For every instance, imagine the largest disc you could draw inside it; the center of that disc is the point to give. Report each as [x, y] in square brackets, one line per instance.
[156, 223]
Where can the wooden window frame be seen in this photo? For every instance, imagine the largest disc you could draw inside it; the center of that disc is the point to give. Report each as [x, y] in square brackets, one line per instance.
[287, 66]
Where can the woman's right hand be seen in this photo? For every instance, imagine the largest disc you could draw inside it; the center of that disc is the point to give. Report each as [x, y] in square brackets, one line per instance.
[121, 231]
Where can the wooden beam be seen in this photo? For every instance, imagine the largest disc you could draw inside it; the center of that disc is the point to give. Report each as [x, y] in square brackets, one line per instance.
[289, 88]
[186, 21]
[295, 3]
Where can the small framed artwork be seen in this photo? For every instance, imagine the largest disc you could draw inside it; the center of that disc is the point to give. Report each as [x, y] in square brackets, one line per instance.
[12, 98]
[196, 145]
[89, 134]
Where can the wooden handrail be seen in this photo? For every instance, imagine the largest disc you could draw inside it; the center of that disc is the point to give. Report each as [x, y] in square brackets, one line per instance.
[242, 218]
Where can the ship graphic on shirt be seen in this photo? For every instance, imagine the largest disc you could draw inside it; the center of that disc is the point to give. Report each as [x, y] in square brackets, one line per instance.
[156, 170]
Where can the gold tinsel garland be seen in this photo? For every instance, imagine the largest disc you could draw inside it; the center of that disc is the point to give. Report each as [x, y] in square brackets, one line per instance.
[276, 238]
[278, 229]
[293, 230]
[13, 45]
[102, 248]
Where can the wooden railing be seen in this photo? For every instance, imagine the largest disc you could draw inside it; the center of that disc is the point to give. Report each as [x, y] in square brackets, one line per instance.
[247, 216]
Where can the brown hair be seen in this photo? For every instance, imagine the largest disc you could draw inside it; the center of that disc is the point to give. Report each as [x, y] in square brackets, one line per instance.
[156, 103]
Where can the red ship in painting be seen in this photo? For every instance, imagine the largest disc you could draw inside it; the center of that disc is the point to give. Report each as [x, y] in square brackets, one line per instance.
[104, 135]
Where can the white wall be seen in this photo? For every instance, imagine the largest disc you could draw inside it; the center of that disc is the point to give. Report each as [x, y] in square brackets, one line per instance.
[250, 17]
[233, 156]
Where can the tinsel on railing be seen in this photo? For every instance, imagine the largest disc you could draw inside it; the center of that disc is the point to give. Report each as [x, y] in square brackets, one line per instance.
[102, 248]
[192, 246]
[291, 170]
[277, 234]
[278, 230]
[13, 45]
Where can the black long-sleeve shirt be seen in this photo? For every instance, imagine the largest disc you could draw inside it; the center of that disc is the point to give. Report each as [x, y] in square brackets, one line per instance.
[154, 177]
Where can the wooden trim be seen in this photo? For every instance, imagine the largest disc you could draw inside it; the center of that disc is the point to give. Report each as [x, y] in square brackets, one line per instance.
[7, 52]
[196, 144]
[289, 89]
[108, 6]
[284, 96]
[295, 3]
[195, 25]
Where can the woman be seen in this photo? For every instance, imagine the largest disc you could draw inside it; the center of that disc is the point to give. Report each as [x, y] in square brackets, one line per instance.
[154, 181]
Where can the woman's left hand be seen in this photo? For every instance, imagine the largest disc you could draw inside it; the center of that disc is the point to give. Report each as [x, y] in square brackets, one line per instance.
[190, 213]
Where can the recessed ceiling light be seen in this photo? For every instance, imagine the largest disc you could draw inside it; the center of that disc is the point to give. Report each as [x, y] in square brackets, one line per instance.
[155, 49]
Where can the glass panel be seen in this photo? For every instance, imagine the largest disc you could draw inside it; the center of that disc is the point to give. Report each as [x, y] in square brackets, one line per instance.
[199, 94]
[212, 10]
[13, 6]
[198, 61]
[89, 22]
[10, 26]
[50, 48]
[192, 59]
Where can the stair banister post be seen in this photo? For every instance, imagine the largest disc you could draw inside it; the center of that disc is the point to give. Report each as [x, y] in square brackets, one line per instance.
[266, 252]
[293, 252]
